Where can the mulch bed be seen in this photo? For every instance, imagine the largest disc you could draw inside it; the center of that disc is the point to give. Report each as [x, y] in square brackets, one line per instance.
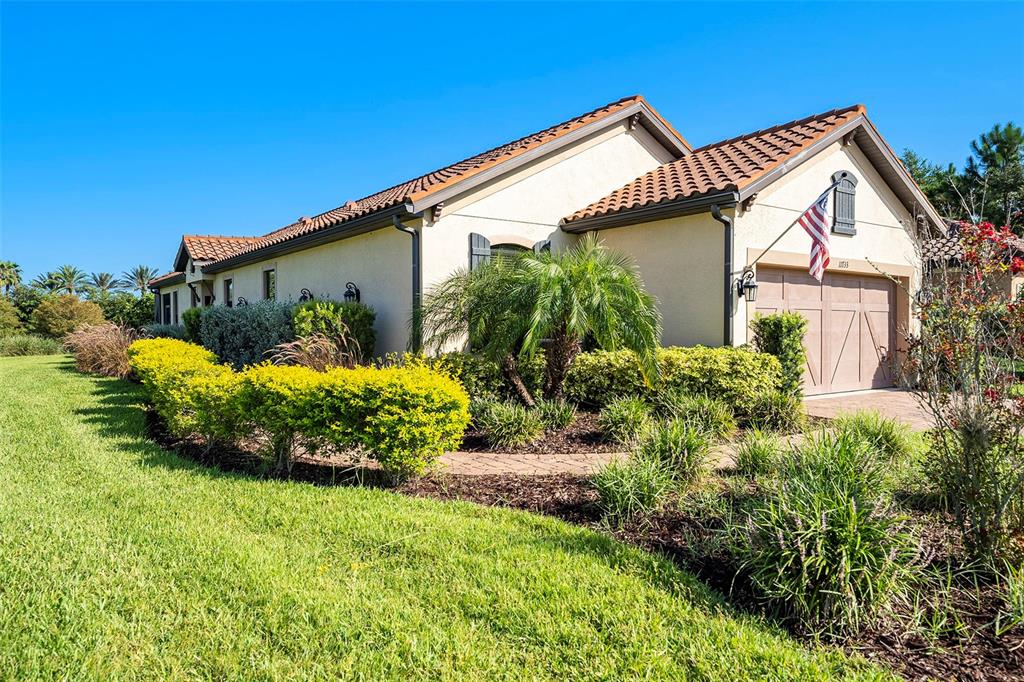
[583, 435]
[688, 539]
[685, 539]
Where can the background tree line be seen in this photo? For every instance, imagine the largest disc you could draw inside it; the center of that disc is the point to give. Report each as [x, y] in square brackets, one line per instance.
[990, 186]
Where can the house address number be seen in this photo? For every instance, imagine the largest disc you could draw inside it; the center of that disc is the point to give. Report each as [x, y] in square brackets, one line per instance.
[843, 264]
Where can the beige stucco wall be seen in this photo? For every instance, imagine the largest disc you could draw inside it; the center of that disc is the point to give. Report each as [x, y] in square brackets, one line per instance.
[526, 205]
[682, 263]
[184, 300]
[378, 262]
[883, 225]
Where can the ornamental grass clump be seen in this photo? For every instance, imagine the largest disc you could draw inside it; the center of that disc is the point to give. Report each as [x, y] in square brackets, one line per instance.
[823, 546]
[711, 415]
[633, 487]
[777, 411]
[102, 349]
[892, 439]
[679, 446]
[508, 424]
[758, 454]
[624, 420]
[28, 344]
[555, 414]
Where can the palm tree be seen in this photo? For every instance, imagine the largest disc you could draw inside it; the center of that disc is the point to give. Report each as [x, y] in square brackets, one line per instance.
[69, 279]
[10, 275]
[45, 282]
[138, 278]
[509, 307]
[103, 282]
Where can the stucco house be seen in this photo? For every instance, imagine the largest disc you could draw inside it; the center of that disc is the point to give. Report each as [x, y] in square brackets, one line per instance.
[693, 219]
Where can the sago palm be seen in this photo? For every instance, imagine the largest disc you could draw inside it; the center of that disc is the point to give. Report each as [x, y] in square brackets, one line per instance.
[510, 308]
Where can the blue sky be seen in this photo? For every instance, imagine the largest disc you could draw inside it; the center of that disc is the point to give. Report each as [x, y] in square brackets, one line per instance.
[125, 125]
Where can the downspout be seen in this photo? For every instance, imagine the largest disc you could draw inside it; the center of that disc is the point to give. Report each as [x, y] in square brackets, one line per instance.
[417, 332]
[716, 213]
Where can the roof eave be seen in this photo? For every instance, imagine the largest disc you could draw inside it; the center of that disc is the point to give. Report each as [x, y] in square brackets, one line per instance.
[351, 228]
[652, 212]
[651, 121]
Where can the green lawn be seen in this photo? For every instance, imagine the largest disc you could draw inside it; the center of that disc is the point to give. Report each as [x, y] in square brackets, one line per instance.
[118, 559]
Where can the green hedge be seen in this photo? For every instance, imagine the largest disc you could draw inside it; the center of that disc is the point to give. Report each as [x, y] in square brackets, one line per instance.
[734, 375]
[782, 335]
[404, 417]
[482, 378]
[322, 317]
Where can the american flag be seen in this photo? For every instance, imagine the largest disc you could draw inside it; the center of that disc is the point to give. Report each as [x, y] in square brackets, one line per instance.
[813, 222]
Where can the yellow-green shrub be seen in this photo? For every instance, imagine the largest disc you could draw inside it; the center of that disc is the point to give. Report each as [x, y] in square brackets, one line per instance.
[405, 417]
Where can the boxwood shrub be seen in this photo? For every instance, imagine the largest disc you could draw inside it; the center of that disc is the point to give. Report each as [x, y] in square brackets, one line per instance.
[404, 417]
[734, 375]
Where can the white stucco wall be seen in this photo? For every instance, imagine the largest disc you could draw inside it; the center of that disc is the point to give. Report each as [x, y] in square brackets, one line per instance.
[882, 222]
[528, 203]
[682, 263]
[184, 300]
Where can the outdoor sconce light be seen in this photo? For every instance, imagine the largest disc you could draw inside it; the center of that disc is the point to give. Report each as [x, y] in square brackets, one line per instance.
[746, 286]
[351, 293]
[241, 302]
[305, 295]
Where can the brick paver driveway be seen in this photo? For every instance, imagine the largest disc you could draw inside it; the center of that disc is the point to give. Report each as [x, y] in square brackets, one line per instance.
[891, 403]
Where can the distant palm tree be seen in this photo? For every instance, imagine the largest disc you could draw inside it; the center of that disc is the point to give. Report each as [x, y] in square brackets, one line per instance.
[103, 282]
[70, 279]
[138, 278]
[10, 275]
[45, 282]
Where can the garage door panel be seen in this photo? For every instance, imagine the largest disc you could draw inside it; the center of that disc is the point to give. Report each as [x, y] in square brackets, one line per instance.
[850, 325]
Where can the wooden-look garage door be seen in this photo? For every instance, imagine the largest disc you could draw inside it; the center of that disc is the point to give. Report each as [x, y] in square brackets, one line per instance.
[851, 328]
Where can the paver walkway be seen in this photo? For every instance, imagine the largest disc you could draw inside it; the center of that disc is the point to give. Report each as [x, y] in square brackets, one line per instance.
[889, 402]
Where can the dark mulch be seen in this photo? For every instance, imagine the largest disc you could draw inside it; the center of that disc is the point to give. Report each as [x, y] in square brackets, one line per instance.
[583, 435]
[691, 541]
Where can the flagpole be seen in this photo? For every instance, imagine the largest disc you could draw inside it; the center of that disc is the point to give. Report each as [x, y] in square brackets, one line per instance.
[784, 232]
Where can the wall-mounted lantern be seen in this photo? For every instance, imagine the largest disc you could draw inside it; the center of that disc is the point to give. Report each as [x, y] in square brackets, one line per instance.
[746, 286]
[241, 302]
[352, 294]
[305, 295]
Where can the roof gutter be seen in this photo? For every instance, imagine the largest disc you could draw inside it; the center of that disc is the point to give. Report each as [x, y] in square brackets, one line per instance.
[646, 214]
[716, 213]
[349, 228]
[416, 341]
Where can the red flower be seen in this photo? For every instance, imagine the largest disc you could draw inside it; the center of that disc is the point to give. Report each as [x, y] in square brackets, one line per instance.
[992, 394]
[1017, 264]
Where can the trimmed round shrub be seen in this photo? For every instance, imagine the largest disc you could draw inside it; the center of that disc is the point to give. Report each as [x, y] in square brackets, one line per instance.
[56, 316]
[243, 335]
[823, 546]
[508, 425]
[624, 420]
[680, 446]
[555, 414]
[632, 487]
[777, 411]
[192, 319]
[758, 454]
[333, 318]
[734, 375]
[712, 416]
[482, 378]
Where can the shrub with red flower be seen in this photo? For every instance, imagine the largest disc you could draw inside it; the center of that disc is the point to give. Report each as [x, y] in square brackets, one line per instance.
[967, 359]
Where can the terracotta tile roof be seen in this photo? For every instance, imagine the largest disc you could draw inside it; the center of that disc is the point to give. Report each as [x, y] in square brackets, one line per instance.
[423, 185]
[724, 166]
[213, 247]
[165, 277]
[950, 247]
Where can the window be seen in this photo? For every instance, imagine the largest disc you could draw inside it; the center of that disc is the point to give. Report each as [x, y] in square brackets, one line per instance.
[844, 221]
[229, 292]
[270, 284]
[165, 299]
[174, 306]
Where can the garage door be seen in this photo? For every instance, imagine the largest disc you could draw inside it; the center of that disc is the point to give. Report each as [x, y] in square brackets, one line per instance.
[851, 326]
